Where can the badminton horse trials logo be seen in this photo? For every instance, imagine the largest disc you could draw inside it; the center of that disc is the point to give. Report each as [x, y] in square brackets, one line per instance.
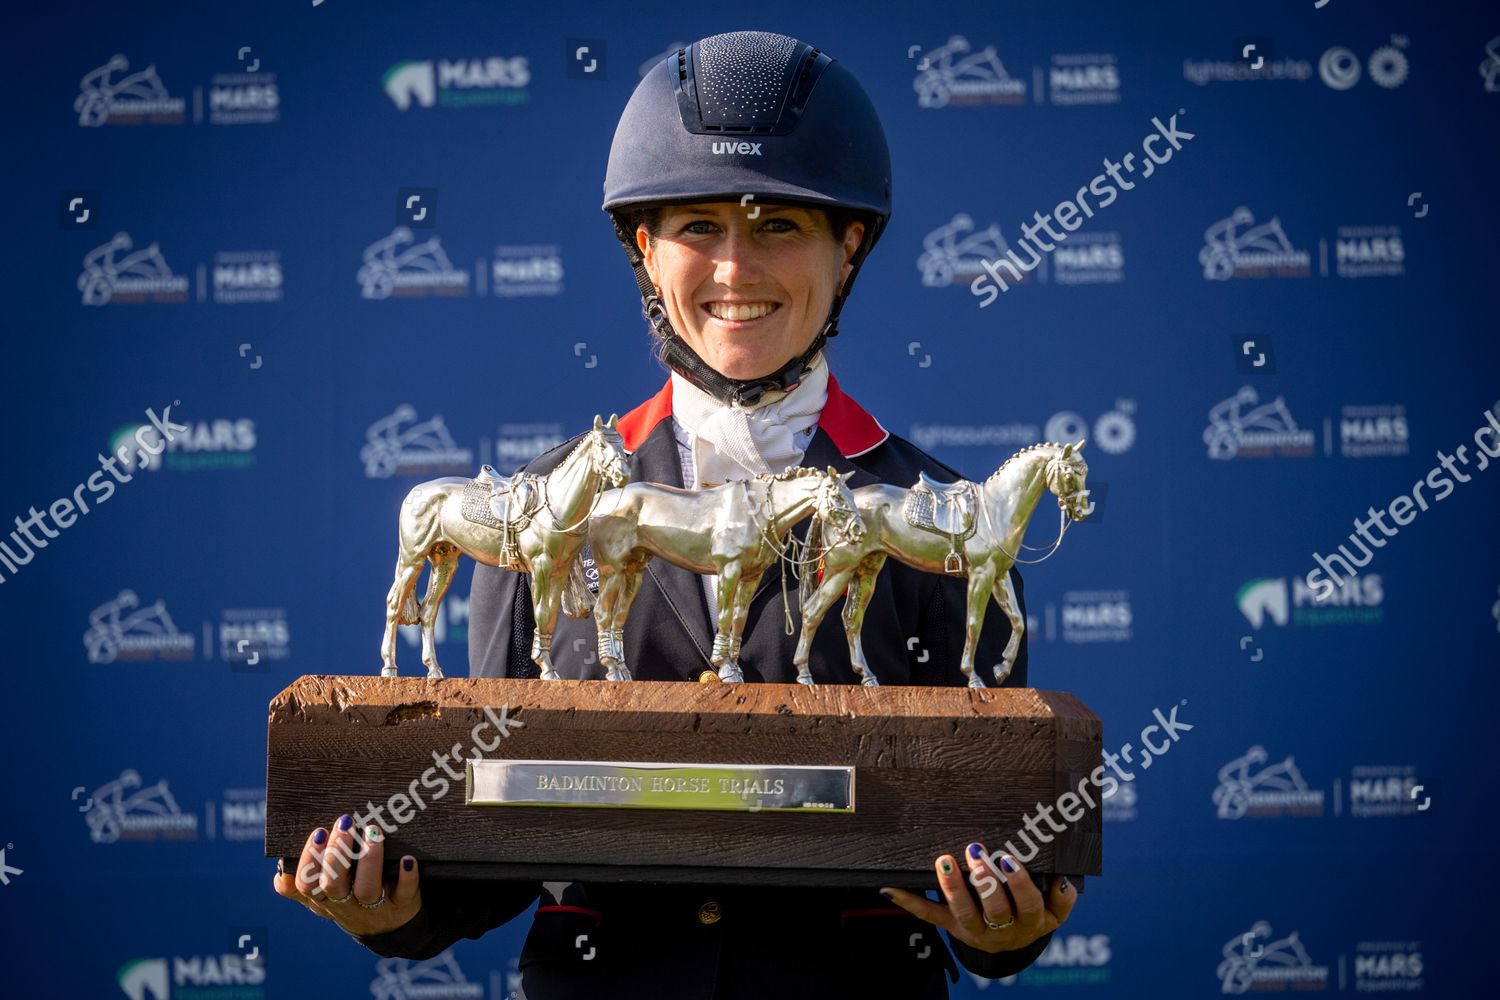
[436, 978]
[124, 809]
[972, 78]
[123, 630]
[423, 448]
[126, 100]
[1252, 961]
[1263, 430]
[1230, 251]
[1277, 790]
[392, 268]
[139, 276]
[956, 251]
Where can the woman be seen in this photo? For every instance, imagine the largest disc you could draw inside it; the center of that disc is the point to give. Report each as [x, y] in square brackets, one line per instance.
[748, 180]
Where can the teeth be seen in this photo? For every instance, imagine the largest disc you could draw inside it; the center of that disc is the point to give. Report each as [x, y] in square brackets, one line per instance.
[740, 313]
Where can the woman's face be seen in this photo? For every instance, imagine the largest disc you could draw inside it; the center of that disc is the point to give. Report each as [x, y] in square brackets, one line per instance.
[747, 295]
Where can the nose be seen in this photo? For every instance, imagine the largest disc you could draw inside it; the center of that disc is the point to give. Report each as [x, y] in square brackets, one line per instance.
[737, 262]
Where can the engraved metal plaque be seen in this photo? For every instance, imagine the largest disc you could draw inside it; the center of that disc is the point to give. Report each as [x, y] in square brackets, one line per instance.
[654, 785]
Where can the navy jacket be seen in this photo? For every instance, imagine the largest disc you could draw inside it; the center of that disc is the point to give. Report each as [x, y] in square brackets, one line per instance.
[729, 942]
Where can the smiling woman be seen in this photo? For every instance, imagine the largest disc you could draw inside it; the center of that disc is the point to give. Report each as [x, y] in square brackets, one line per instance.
[748, 180]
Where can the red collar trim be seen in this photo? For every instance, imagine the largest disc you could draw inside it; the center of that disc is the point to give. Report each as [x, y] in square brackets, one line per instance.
[853, 430]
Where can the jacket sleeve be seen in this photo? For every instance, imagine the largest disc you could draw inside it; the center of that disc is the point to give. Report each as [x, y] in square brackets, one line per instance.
[499, 625]
[999, 964]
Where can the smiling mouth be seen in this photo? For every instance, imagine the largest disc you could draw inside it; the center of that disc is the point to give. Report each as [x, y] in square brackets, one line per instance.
[740, 312]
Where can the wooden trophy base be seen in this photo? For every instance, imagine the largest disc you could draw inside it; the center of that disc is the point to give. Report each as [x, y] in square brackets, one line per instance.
[874, 783]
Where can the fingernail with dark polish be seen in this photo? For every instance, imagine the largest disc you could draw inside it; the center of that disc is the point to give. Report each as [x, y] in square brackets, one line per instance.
[887, 894]
[346, 821]
[320, 835]
[1008, 864]
[976, 852]
[406, 864]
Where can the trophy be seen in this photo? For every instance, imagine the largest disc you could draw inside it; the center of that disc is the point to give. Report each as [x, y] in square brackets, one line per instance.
[785, 784]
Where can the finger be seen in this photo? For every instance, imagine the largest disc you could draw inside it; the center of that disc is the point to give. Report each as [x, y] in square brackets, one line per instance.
[1061, 897]
[1023, 892]
[960, 903]
[285, 884]
[990, 881]
[407, 889]
[921, 906]
[367, 881]
[310, 865]
[338, 858]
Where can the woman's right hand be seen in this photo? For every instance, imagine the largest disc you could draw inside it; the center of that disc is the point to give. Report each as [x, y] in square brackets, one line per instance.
[322, 881]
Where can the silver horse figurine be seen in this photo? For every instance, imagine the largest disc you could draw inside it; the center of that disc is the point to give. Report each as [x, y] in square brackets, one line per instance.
[958, 529]
[736, 531]
[527, 522]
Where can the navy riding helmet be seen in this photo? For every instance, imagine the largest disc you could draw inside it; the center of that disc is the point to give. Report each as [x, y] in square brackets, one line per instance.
[747, 113]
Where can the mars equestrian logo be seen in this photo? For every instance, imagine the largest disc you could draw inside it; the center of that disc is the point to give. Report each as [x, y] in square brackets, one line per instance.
[202, 445]
[526, 270]
[1084, 79]
[1248, 786]
[126, 809]
[1096, 616]
[1369, 252]
[1388, 790]
[1238, 248]
[397, 266]
[112, 95]
[203, 977]
[953, 75]
[401, 444]
[1357, 601]
[1244, 427]
[242, 814]
[253, 638]
[1388, 967]
[956, 252]
[117, 272]
[1089, 259]
[1375, 431]
[436, 978]
[1259, 961]
[247, 276]
[458, 83]
[123, 630]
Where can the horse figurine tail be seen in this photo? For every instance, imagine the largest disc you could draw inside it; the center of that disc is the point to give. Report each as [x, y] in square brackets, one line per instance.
[577, 599]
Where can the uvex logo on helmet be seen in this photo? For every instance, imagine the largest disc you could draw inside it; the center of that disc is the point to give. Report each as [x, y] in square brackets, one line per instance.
[742, 148]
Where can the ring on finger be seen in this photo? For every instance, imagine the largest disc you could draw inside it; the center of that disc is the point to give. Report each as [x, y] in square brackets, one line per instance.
[999, 927]
[345, 896]
[370, 906]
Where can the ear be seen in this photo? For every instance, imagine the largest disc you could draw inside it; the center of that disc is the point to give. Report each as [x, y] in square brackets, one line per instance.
[1067, 450]
[1079, 445]
[598, 424]
[614, 420]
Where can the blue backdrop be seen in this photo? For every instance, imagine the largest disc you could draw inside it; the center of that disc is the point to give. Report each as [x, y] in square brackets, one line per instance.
[356, 245]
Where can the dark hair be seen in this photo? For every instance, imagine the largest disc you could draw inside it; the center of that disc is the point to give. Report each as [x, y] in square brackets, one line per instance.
[839, 219]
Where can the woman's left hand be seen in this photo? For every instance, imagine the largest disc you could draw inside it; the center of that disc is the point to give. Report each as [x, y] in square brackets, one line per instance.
[1011, 912]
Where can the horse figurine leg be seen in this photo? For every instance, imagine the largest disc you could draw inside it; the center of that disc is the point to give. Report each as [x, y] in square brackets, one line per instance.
[400, 609]
[544, 601]
[1005, 596]
[981, 584]
[813, 613]
[444, 561]
[726, 652]
[617, 590]
[861, 589]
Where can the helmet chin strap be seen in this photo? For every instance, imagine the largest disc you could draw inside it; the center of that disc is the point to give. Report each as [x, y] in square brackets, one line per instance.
[681, 358]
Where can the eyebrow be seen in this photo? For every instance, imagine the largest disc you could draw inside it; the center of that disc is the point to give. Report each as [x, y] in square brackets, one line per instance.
[684, 210]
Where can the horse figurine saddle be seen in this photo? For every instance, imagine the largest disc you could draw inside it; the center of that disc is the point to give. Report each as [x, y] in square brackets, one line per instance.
[945, 509]
[505, 503]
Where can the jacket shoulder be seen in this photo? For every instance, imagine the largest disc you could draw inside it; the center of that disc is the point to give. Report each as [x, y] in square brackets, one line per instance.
[897, 461]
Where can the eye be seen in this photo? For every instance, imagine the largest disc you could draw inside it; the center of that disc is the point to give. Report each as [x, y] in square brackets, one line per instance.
[782, 225]
[691, 227]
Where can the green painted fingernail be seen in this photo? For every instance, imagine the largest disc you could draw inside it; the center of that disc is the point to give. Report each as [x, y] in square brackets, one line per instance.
[947, 866]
